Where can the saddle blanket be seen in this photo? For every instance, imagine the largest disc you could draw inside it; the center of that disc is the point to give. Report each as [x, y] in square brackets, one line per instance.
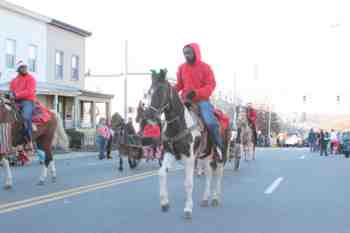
[5, 138]
[41, 114]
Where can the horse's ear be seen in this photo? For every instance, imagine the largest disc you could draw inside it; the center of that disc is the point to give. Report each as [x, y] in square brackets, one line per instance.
[162, 74]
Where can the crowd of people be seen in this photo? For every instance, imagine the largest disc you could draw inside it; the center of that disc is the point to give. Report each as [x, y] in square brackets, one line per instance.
[325, 142]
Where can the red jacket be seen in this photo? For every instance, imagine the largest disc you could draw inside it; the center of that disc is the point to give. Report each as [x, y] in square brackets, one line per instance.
[197, 77]
[24, 87]
[224, 120]
[151, 131]
[252, 115]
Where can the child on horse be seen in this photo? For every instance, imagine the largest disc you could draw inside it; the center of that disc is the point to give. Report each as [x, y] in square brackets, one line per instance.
[196, 82]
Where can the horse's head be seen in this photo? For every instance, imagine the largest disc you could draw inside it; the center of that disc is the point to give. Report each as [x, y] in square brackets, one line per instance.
[7, 111]
[159, 95]
[242, 120]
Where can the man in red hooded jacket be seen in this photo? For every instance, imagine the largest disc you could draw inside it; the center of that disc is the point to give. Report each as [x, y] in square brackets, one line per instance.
[196, 82]
[23, 91]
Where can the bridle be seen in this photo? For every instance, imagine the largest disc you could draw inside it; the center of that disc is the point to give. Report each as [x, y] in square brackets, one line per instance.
[165, 107]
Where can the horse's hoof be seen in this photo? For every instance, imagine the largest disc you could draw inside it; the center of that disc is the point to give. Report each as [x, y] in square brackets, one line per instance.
[205, 203]
[54, 179]
[165, 208]
[188, 215]
[215, 203]
[8, 186]
[40, 183]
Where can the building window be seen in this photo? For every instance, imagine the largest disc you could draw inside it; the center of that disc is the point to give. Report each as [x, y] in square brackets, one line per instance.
[33, 56]
[10, 54]
[59, 65]
[75, 68]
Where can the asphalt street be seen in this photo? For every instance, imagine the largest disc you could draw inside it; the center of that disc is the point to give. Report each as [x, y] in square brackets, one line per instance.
[283, 191]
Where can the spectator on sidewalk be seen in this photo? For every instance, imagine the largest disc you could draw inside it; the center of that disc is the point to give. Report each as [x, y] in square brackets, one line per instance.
[110, 140]
[312, 140]
[334, 141]
[324, 141]
[102, 136]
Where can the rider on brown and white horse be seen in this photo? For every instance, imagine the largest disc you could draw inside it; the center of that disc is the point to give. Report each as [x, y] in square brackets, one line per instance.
[23, 91]
[196, 82]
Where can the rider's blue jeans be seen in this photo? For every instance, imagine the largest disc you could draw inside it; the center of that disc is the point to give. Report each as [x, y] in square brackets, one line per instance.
[207, 112]
[27, 114]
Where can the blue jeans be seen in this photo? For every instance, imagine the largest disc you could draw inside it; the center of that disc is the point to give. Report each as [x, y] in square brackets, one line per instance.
[102, 146]
[27, 114]
[207, 112]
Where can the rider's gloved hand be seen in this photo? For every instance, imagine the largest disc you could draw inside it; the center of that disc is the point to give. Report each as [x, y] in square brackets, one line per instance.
[190, 95]
[189, 98]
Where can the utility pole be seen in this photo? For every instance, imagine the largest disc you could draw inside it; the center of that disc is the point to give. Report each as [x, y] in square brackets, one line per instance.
[269, 120]
[126, 83]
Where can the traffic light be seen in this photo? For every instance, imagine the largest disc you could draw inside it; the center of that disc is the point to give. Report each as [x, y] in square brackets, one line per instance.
[304, 98]
[338, 98]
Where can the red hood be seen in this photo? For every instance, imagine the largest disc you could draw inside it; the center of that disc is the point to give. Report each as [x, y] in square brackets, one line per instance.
[197, 51]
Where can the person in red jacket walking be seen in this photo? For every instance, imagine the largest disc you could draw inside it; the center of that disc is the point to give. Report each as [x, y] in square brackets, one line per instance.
[23, 91]
[252, 115]
[196, 82]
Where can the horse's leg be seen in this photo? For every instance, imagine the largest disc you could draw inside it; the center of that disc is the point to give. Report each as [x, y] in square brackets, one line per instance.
[53, 171]
[120, 161]
[46, 147]
[166, 165]
[254, 155]
[8, 173]
[219, 172]
[189, 173]
[238, 152]
[200, 166]
[208, 178]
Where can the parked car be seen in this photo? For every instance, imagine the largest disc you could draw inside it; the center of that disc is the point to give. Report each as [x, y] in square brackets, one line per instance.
[293, 140]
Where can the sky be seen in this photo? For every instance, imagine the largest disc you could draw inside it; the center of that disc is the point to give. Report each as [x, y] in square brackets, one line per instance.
[279, 50]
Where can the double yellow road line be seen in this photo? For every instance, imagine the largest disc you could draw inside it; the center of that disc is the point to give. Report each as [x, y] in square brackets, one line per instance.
[13, 206]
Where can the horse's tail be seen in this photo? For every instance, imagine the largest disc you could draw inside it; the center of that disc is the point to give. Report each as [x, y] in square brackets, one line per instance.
[60, 139]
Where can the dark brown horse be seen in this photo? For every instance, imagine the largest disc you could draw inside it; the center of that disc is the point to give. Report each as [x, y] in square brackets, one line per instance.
[48, 134]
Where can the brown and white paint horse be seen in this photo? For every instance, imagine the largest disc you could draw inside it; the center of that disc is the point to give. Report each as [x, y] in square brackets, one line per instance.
[46, 135]
[181, 135]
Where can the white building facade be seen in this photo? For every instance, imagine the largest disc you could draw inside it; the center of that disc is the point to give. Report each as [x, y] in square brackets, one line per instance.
[23, 36]
[55, 54]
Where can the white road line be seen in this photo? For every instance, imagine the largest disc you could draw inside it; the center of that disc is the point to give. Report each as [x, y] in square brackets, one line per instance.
[274, 185]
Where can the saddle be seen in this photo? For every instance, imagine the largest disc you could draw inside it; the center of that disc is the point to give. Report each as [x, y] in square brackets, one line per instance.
[196, 111]
[41, 114]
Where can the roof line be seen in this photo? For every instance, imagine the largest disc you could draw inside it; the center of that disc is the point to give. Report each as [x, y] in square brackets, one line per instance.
[70, 28]
[21, 10]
